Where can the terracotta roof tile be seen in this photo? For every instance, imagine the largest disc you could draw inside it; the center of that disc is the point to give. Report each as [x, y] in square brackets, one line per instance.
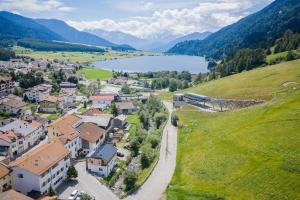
[13, 195]
[102, 98]
[42, 158]
[3, 170]
[52, 99]
[92, 112]
[90, 132]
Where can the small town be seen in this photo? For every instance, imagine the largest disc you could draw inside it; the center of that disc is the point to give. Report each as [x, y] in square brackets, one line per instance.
[49, 124]
[149, 100]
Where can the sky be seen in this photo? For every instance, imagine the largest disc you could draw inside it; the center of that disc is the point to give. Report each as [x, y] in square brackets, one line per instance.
[141, 18]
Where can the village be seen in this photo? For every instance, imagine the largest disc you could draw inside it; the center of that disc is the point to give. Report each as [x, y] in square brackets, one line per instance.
[53, 118]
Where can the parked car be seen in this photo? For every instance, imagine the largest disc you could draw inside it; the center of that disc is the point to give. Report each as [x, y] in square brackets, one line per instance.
[73, 195]
[120, 154]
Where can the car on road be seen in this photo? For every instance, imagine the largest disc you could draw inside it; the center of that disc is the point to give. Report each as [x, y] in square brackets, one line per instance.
[73, 195]
[120, 154]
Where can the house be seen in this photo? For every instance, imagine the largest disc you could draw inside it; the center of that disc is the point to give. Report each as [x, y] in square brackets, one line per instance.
[67, 97]
[64, 128]
[18, 136]
[50, 104]
[6, 85]
[38, 93]
[103, 160]
[5, 178]
[126, 107]
[91, 136]
[40, 169]
[102, 101]
[118, 81]
[119, 122]
[92, 112]
[12, 105]
[67, 85]
[13, 195]
[103, 121]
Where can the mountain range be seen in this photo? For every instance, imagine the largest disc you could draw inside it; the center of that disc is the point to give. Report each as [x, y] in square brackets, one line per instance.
[13, 25]
[160, 43]
[260, 29]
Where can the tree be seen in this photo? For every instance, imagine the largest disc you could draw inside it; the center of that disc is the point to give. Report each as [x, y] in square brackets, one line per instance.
[174, 119]
[25, 98]
[290, 56]
[130, 179]
[159, 118]
[147, 156]
[125, 89]
[84, 104]
[73, 79]
[72, 172]
[85, 196]
[114, 110]
[173, 86]
[153, 140]
[51, 192]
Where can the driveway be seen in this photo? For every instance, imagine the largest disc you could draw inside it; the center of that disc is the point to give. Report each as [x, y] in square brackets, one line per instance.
[161, 176]
[86, 183]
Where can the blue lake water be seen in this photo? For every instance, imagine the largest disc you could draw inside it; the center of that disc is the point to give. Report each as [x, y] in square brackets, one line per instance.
[193, 64]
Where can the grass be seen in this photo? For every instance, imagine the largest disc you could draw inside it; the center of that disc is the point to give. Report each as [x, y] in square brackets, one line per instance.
[80, 57]
[282, 55]
[261, 83]
[251, 153]
[95, 73]
[53, 116]
[135, 122]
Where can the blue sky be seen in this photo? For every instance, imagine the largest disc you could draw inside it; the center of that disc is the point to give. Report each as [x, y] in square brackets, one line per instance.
[142, 18]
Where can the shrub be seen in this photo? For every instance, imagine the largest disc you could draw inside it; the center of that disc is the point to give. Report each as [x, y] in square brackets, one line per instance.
[72, 172]
[174, 119]
[147, 156]
[130, 179]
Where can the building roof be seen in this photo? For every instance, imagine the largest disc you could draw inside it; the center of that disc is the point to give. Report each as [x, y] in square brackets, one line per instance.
[105, 152]
[92, 112]
[42, 158]
[52, 99]
[13, 195]
[90, 132]
[102, 98]
[101, 120]
[20, 126]
[13, 102]
[65, 126]
[125, 105]
[9, 136]
[121, 117]
[3, 171]
[5, 78]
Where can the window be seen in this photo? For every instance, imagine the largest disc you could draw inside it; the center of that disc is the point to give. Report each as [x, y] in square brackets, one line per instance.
[20, 176]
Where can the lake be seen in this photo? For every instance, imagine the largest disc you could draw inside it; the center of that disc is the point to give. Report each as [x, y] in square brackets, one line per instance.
[193, 64]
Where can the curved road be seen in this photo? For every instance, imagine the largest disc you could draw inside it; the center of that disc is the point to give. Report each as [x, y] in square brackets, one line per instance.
[154, 186]
[158, 181]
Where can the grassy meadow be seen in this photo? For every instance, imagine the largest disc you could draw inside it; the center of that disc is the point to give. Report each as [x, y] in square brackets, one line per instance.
[250, 153]
[260, 84]
[95, 73]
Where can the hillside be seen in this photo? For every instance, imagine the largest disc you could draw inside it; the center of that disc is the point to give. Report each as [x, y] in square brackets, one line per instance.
[12, 25]
[257, 30]
[261, 83]
[246, 154]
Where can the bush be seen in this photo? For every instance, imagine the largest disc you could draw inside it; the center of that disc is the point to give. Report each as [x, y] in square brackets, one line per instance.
[174, 119]
[159, 118]
[147, 156]
[130, 179]
[153, 140]
[72, 172]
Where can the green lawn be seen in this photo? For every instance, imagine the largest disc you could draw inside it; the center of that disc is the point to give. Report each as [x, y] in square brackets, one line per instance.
[251, 153]
[275, 56]
[96, 73]
[53, 116]
[261, 83]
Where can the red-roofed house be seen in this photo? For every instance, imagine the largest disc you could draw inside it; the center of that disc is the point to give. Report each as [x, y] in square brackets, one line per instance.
[102, 101]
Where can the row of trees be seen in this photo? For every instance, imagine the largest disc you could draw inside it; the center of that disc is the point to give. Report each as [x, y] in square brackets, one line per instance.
[28, 80]
[288, 42]
[6, 54]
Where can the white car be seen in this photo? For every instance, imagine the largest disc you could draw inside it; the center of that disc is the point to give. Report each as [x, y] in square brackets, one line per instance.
[73, 195]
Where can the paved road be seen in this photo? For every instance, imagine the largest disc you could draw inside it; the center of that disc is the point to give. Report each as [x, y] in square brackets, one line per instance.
[152, 189]
[158, 181]
[88, 184]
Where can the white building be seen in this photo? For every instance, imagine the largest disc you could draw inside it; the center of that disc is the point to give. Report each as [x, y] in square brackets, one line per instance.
[103, 160]
[12, 105]
[102, 101]
[39, 92]
[41, 168]
[18, 136]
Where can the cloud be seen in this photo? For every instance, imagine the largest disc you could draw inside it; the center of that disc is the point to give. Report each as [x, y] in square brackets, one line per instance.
[34, 5]
[207, 16]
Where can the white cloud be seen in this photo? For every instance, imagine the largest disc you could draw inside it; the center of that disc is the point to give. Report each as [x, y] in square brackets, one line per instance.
[34, 5]
[203, 17]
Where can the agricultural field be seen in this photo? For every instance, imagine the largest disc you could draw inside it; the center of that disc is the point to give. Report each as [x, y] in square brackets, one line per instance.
[251, 153]
[80, 57]
[95, 73]
[260, 84]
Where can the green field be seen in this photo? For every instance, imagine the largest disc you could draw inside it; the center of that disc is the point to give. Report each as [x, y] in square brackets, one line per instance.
[262, 83]
[80, 57]
[282, 55]
[251, 153]
[95, 73]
